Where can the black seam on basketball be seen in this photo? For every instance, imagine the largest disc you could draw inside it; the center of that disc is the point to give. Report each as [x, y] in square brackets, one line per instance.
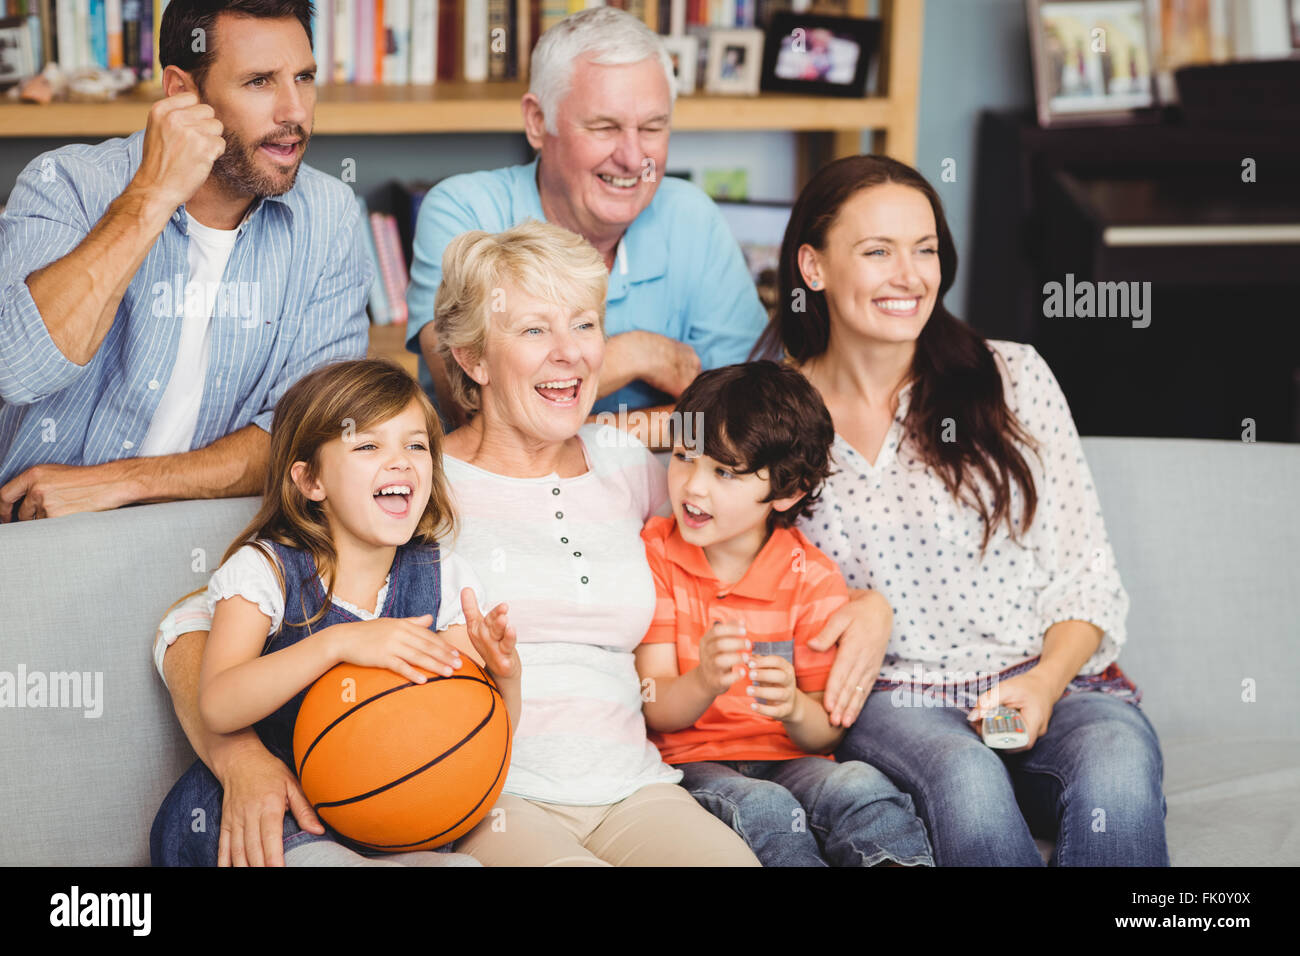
[419, 770]
[371, 699]
[500, 770]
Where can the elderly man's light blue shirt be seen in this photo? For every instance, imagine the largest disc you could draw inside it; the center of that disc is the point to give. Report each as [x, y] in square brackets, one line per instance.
[295, 291]
[678, 270]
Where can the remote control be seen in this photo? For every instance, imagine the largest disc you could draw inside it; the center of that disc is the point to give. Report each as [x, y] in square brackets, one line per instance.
[1004, 729]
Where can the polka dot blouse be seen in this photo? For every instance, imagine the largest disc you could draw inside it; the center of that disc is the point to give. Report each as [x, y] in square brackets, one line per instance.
[893, 527]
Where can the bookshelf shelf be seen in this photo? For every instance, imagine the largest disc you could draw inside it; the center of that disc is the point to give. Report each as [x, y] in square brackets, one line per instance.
[828, 127]
[459, 108]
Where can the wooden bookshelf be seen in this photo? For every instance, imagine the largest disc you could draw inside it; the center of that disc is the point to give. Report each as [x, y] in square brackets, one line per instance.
[389, 341]
[829, 127]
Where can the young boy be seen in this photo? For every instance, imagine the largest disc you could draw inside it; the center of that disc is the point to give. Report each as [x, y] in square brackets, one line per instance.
[734, 692]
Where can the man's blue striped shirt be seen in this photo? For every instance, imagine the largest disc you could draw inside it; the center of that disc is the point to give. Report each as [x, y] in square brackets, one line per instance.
[293, 298]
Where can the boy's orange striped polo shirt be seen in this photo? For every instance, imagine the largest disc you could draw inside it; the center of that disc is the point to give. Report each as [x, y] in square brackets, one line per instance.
[784, 600]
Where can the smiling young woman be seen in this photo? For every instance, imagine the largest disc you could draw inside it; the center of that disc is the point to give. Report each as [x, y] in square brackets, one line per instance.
[962, 494]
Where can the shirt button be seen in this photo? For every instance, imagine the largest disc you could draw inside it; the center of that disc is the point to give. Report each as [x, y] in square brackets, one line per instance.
[584, 579]
[153, 384]
[555, 491]
[577, 554]
[559, 514]
[564, 541]
[128, 445]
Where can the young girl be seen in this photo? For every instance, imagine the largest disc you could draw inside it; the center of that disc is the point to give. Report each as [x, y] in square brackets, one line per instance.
[341, 564]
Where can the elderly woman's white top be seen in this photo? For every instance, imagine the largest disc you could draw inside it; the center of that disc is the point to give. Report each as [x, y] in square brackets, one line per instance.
[566, 555]
[895, 528]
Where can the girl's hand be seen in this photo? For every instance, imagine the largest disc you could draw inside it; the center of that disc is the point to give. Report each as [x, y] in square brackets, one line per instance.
[400, 644]
[773, 688]
[1030, 693]
[492, 637]
[722, 650]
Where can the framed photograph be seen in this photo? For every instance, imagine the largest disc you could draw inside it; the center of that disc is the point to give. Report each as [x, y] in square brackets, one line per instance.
[1092, 60]
[735, 62]
[684, 51]
[820, 55]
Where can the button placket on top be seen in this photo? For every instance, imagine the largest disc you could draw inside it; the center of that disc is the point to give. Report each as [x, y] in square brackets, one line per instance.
[581, 569]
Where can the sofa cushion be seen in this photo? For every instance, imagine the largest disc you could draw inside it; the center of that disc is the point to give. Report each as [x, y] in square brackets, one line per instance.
[1207, 537]
[85, 593]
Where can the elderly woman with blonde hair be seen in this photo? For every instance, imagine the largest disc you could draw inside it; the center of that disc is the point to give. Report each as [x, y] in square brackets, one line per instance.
[551, 510]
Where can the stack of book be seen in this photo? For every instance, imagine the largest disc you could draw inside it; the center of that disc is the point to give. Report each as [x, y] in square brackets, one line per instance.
[89, 34]
[395, 42]
[388, 238]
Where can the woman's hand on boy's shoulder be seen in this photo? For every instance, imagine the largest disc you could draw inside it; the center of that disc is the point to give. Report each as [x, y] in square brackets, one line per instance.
[492, 636]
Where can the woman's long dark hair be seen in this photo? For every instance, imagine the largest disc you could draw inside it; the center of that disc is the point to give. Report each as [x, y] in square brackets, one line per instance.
[954, 375]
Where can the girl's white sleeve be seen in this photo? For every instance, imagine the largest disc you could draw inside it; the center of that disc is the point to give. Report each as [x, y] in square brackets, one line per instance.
[456, 574]
[248, 574]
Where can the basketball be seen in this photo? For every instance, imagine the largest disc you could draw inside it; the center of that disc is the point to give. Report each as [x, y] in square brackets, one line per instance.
[397, 766]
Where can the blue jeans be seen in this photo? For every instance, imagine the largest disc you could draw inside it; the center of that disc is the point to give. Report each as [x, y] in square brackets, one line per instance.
[811, 811]
[1092, 782]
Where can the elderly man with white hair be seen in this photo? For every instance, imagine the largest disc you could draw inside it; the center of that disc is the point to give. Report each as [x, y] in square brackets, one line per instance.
[598, 112]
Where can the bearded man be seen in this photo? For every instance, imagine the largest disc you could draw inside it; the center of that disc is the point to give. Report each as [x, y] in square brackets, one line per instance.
[159, 293]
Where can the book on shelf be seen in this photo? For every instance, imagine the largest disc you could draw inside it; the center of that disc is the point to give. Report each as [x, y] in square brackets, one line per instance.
[403, 200]
[450, 26]
[364, 31]
[377, 299]
[389, 42]
[322, 38]
[396, 277]
[424, 41]
[475, 36]
[344, 60]
[383, 231]
[113, 33]
[397, 42]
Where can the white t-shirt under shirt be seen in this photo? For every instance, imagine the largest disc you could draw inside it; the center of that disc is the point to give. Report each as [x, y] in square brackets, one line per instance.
[171, 430]
[566, 555]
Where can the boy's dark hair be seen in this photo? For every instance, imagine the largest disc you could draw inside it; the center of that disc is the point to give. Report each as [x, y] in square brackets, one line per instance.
[182, 17]
[761, 415]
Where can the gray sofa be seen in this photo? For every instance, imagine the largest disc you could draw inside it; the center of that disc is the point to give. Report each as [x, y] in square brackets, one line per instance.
[1207, 535]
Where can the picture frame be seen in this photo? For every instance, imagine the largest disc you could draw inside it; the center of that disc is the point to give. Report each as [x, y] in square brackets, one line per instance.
[818, 55]
[1295, 26]
[1092, 61]
[735, 62]
[684, 51]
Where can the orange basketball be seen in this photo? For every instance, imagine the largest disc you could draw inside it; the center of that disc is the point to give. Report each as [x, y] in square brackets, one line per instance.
[398, 766]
